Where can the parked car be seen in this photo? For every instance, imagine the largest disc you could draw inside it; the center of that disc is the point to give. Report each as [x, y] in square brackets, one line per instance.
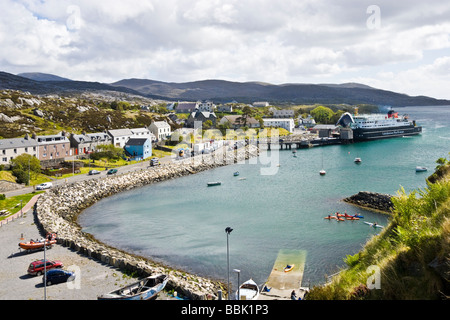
[112, 171]
[57, 276]
[92, 172]
[154, 162]
[45, 185]
[36, 268]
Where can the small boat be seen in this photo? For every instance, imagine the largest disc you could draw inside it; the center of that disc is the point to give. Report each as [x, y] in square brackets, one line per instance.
[289, 267]
[236, 173]
[358, 216]
[242, 179]
[145, 289]
[249, 290]
[216, 183]
[48, 241]
[357, 160]
[340, 219]
[421, 169]
[330, 217]
[351, 218]
[375, 225]
[322, 172]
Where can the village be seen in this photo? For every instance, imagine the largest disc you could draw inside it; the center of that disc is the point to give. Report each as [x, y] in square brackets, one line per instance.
[182, 133]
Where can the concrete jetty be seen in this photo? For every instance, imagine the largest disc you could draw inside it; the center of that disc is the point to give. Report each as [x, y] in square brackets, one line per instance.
[282, 283]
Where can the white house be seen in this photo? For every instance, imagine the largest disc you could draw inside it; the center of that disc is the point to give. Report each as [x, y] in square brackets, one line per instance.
[287, 124]
[120, 136]
[160, 129]
[206, 106]
[283, 113]
[11, 148]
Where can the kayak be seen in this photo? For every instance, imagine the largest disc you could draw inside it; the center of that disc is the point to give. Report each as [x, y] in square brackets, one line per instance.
[289, 267]
[330, 217]
[352, 218]
[373, 225]
[340, 219]
[359, 216]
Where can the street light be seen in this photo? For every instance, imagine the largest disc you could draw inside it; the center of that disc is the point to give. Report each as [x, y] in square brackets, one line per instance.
[239, 284]
[228, 231]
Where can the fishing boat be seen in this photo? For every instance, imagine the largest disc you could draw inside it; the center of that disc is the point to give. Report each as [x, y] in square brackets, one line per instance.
[249, 290]
[289, 267]
[215, 183]
[145, 289]
[48, 241]
[421, 169]
[379, 126]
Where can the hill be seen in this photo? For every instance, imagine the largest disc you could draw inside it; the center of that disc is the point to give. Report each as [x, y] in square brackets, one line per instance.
[248, 92]
[38, 76]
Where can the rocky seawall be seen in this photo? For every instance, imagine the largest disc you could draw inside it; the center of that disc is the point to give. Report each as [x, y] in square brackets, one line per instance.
[372, 200]
[57, 211]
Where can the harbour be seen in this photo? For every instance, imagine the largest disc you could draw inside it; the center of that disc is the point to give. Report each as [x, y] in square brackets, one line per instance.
[284, 210]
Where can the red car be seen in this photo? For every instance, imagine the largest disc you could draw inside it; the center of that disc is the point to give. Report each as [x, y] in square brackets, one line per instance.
[36, 268]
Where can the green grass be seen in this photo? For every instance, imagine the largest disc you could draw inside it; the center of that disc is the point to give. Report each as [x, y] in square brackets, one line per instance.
[12, 204]
[418, 233]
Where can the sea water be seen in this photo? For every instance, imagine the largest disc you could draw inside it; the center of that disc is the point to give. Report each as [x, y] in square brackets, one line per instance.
[182, 222]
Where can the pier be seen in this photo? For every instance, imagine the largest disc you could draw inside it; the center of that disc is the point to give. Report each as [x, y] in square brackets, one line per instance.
[282, 283]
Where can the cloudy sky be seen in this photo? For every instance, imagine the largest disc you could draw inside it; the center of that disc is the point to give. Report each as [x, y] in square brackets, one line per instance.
[403, 46]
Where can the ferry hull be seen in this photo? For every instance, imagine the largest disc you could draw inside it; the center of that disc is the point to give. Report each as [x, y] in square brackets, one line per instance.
[384, 133]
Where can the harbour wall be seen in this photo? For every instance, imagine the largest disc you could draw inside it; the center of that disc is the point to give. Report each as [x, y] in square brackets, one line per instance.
[57, 210]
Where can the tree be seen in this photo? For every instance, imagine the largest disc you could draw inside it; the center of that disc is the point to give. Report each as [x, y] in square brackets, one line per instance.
[322, 114]
[22, 166]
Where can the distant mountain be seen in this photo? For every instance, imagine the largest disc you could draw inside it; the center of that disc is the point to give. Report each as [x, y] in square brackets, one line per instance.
[10, 81]
[222, 91]
[38, 76]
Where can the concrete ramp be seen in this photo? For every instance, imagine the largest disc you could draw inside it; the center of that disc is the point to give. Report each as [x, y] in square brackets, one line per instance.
[282, 283]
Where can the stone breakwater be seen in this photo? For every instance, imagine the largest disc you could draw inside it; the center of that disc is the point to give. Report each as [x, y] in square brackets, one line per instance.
[372, 200]
[57, 211]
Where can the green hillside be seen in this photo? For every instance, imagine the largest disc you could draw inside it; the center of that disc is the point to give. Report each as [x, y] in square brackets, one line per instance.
[411, 254]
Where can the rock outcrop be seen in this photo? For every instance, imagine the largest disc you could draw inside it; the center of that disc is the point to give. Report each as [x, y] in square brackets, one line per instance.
[372, 200]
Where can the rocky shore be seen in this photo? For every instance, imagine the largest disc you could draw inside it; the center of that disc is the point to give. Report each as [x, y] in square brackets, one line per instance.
[372, 200]
[57, 211]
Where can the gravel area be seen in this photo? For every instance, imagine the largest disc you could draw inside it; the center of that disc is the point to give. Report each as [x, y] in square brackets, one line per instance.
[93, 278]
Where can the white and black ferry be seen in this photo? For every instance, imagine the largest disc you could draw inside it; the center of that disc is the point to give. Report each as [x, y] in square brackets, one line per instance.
[379, 126]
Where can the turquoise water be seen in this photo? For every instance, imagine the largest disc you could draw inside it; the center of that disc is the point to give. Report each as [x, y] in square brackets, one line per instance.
[182, 222]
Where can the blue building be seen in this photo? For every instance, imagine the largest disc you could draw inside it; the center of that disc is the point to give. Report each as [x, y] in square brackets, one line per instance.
[138, 148]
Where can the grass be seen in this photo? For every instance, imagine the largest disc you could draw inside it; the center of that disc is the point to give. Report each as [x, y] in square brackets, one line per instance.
[12, 204]
[418, 233]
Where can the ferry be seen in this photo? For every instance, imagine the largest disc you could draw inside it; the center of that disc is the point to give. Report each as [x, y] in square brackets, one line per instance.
[379, 126]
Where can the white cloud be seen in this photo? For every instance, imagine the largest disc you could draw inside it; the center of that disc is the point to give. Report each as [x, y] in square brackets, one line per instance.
[252, 40]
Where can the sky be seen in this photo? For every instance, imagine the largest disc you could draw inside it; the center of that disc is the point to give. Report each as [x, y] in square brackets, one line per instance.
[402, 46]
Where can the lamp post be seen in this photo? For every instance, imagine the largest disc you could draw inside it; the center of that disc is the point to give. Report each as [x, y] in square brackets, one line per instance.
[239, 284]
[228, 231]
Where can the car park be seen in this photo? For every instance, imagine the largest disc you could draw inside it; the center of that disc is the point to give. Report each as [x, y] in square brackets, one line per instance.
[36, 268]
[57, 276]
[112, 171]
[45, 185]
[92, 172]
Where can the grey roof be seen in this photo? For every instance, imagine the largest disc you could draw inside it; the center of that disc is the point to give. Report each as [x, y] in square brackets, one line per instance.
[120, 132]
[136, 141]
[17, 143]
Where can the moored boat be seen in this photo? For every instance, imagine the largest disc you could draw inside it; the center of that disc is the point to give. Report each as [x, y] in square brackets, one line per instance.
[379, 126]
[145, 289]
[249, 290]
[421, 169]
[215, 183]
[236, 173]
[357, 160]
